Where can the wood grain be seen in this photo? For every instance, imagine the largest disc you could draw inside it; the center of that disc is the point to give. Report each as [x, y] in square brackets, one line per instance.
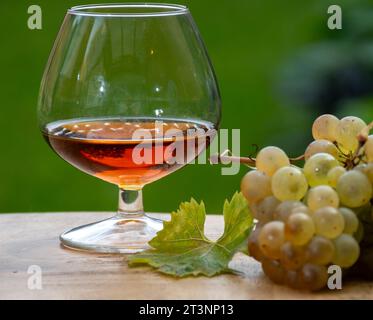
[32, 239]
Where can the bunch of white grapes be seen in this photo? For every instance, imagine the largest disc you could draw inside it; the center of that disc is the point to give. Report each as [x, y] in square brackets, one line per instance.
[309, 218]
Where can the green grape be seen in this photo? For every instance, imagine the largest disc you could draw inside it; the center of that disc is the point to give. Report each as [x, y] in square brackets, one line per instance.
[271, 238]
[313, 277]
[329, 222]
[361, 167]
[292, 257]
[320, 250]
[324, 127]
[293, 279]
[270, 159]
[346, 252]
[322, 196]
[369, 172]
[263, 210]
[255, 186]
[354, 189]
[289, 183]
[286, 208]
[368, 148]
[253, 245]
[334, 174]
[321, 146]
[302, 209]
[351, 220]
[346, 134]
[274, 271]
[299, 228]
[367, 169]
[317, 167]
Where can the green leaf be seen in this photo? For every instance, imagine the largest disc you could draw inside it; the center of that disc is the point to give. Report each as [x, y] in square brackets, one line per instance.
[182, 249]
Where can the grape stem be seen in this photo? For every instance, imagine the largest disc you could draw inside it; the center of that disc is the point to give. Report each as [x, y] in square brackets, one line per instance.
[221, 158]
[225, 159]
[357, 157]
[363, 135]
[350, 159]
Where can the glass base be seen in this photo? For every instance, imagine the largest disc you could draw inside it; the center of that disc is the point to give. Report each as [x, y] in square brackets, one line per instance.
[119, 234]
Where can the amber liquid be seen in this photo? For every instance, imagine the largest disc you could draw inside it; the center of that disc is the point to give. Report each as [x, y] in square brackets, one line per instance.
[106, 148]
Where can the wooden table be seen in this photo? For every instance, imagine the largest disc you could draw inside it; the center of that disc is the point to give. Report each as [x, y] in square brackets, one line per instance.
[32, 239]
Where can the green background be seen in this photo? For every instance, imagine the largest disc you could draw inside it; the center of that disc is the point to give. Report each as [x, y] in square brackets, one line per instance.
[254, 46]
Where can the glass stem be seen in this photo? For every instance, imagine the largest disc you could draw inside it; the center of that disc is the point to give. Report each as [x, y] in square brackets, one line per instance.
[130, 203]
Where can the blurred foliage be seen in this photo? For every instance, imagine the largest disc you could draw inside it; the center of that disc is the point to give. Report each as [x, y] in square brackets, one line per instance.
[250, 42]
[335, 71]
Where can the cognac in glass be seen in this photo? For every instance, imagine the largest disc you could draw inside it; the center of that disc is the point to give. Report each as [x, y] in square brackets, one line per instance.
[123, 83]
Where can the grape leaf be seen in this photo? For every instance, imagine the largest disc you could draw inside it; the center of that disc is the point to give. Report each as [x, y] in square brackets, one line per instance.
[182, 249]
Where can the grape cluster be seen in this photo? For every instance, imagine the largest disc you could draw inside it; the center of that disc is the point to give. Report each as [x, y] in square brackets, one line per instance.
[309, 218]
